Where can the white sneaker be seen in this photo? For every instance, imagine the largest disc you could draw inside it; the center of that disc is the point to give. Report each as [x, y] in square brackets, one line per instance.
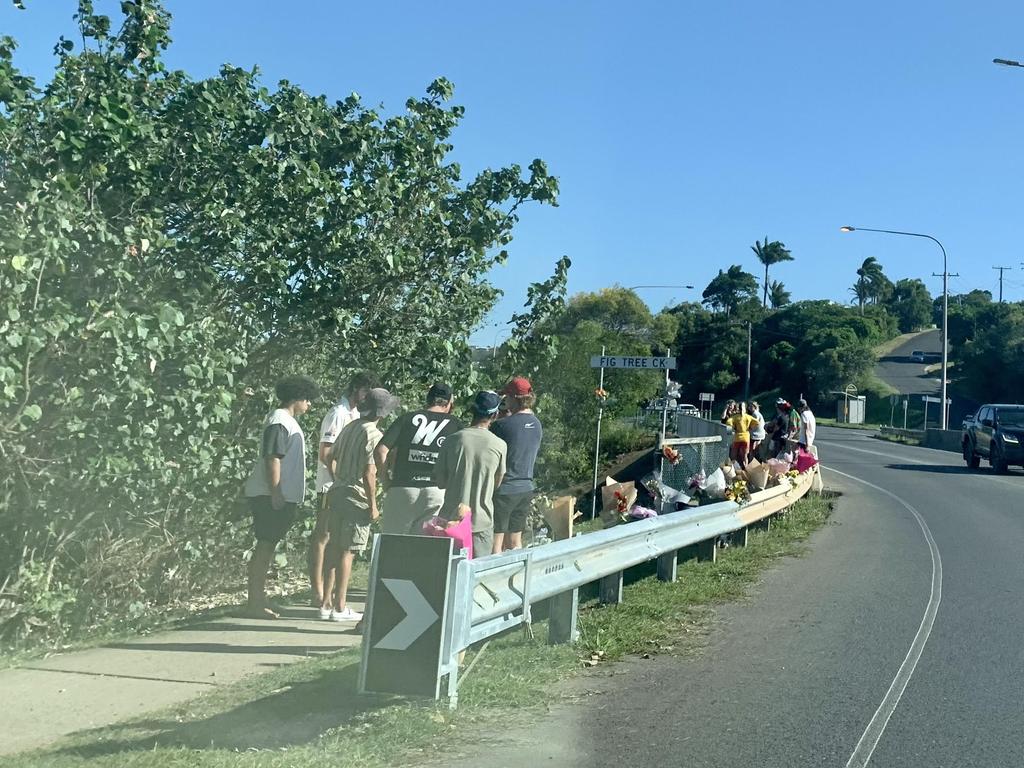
[325, 613]
[346, 614]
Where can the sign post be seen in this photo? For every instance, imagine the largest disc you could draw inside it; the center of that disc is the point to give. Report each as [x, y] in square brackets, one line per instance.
[709, 398]
[626, 363]
[597, 444]
[406, 615]
[930, 399]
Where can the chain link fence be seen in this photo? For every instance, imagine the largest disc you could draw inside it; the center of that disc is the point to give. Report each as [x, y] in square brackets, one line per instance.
[696, 454]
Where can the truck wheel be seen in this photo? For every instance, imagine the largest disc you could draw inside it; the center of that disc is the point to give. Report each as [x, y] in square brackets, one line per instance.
[997, 461]
[973, 460]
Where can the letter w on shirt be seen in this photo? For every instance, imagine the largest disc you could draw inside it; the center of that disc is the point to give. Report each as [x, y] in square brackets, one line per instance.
[426, 433]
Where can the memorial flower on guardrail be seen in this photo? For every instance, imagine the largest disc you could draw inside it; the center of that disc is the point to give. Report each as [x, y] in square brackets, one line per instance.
[601, 395]
[738, 492]
[670, 454]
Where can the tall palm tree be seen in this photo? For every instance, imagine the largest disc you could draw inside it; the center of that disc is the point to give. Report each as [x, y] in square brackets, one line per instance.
[777, 294]
[768, 254]
[861, 292]
[871, 282]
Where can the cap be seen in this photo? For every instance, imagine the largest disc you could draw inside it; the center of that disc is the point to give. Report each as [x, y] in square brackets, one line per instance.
[486, 403]
[801, 403]
[781, 401]
[439, 392]
[518, 387]
[379, 402]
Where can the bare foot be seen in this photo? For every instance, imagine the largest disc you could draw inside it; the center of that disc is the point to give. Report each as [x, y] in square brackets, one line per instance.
[255, 612]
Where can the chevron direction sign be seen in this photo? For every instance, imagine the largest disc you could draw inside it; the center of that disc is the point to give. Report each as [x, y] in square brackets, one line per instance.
[405, 615]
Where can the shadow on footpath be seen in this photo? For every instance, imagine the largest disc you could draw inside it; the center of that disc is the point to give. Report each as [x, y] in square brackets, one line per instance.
[296, 715]
[274, 650]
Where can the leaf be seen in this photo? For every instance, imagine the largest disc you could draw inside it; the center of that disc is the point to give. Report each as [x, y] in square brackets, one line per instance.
[33, 412]
[18, 262]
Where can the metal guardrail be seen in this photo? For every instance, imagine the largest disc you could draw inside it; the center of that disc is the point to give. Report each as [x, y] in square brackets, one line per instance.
[492, 594]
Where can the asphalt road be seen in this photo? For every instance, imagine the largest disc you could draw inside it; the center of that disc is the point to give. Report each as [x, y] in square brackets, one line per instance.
[909, 378]
[895, 642]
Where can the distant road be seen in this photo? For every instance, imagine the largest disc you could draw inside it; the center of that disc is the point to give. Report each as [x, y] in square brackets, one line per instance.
[894, 643]
[906, 377]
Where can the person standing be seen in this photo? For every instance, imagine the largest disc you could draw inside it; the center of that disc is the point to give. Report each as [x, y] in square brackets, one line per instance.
[321, 580]
[405, 459]
[758, 433]
[741, 423]
[277, 483]
[352, 500]
[808, 425]
[522, 432]
[470, 466]
[781, 426]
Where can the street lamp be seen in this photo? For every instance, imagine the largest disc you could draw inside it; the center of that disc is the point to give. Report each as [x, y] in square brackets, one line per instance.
[634, 287]
[1007, 62]
[945, 301]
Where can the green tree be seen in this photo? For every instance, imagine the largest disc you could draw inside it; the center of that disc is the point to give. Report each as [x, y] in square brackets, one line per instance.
[990, 364]
[172, 246]
[768, 254]
[911, 304]
[730, 289]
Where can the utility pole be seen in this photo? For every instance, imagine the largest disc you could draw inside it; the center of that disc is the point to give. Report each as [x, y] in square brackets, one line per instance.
[746, 382]
[944, 409]
[1001, 270]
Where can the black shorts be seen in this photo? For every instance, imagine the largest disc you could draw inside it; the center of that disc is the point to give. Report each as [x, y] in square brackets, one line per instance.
[511, 511]
[271, 524]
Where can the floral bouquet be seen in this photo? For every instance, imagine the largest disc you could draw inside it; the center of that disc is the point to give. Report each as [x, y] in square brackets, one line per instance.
[738, 492]
[639, 513]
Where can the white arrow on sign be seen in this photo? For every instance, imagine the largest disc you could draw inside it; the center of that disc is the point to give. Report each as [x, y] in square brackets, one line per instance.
[419, 615]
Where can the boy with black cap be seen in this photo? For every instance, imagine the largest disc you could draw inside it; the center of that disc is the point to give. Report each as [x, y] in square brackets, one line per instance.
[353, 496]
[522, 432]
[405, 459]
[470, 467]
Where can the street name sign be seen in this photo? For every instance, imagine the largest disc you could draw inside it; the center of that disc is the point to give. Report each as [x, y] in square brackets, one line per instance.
[932, 399]
[405, 615]
[706, 397]
[633, 363]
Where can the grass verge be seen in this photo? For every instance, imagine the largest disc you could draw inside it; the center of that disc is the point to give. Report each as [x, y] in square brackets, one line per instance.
[308, 714]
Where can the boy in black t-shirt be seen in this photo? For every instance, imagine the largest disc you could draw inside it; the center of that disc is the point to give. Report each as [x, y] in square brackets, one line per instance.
[406, 455]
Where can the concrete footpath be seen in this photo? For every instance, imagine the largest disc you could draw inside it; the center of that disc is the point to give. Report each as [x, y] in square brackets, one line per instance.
[46, 699]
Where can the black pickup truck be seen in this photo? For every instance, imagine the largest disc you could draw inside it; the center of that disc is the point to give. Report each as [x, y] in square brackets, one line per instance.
[996, 432]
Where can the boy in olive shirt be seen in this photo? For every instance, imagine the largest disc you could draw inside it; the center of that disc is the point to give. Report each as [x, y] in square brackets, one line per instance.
[352, 500]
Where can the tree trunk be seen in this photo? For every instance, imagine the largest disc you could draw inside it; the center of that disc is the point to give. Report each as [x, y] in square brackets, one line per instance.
[764, 304]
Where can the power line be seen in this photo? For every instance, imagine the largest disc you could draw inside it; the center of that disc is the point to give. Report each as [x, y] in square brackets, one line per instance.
[1001, 270]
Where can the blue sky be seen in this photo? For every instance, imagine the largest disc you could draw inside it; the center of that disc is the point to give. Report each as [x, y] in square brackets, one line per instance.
[681, 132]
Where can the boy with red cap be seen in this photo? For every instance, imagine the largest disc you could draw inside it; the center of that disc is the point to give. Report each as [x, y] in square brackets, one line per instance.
[522, 432]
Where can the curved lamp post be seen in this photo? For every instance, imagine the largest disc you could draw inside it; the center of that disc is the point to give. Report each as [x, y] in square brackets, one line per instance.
[945, 306]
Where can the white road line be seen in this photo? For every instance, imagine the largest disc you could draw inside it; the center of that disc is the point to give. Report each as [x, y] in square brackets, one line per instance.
[876, 727]
[988, 478]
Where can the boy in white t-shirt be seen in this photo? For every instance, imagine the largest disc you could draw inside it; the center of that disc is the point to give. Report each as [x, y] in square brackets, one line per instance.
[346, 410]
[277, 484]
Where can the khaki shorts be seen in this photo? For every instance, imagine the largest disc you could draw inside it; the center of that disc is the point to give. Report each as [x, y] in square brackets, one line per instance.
[348, 525]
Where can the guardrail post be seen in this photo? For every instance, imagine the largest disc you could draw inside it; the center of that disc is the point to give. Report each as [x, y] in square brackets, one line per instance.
[702, 551]
[609, 589]
[668, 566]
[738, 538]
[764, 524]
[563, 610]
